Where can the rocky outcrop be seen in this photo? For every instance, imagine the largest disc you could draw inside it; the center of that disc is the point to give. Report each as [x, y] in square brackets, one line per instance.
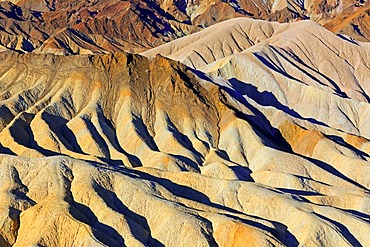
[120, 149]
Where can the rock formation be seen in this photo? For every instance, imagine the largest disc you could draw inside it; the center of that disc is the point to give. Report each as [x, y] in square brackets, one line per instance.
[91, 27]
[245, 133]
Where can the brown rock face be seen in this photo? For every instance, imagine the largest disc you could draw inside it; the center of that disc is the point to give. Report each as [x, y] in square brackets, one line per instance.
[90, 27]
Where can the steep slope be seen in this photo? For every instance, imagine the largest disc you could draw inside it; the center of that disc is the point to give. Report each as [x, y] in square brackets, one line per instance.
[121, 150]
[268, 60]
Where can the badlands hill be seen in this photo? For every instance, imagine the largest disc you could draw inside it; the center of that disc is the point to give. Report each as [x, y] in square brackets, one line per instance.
[97, 26]
[248, 133]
